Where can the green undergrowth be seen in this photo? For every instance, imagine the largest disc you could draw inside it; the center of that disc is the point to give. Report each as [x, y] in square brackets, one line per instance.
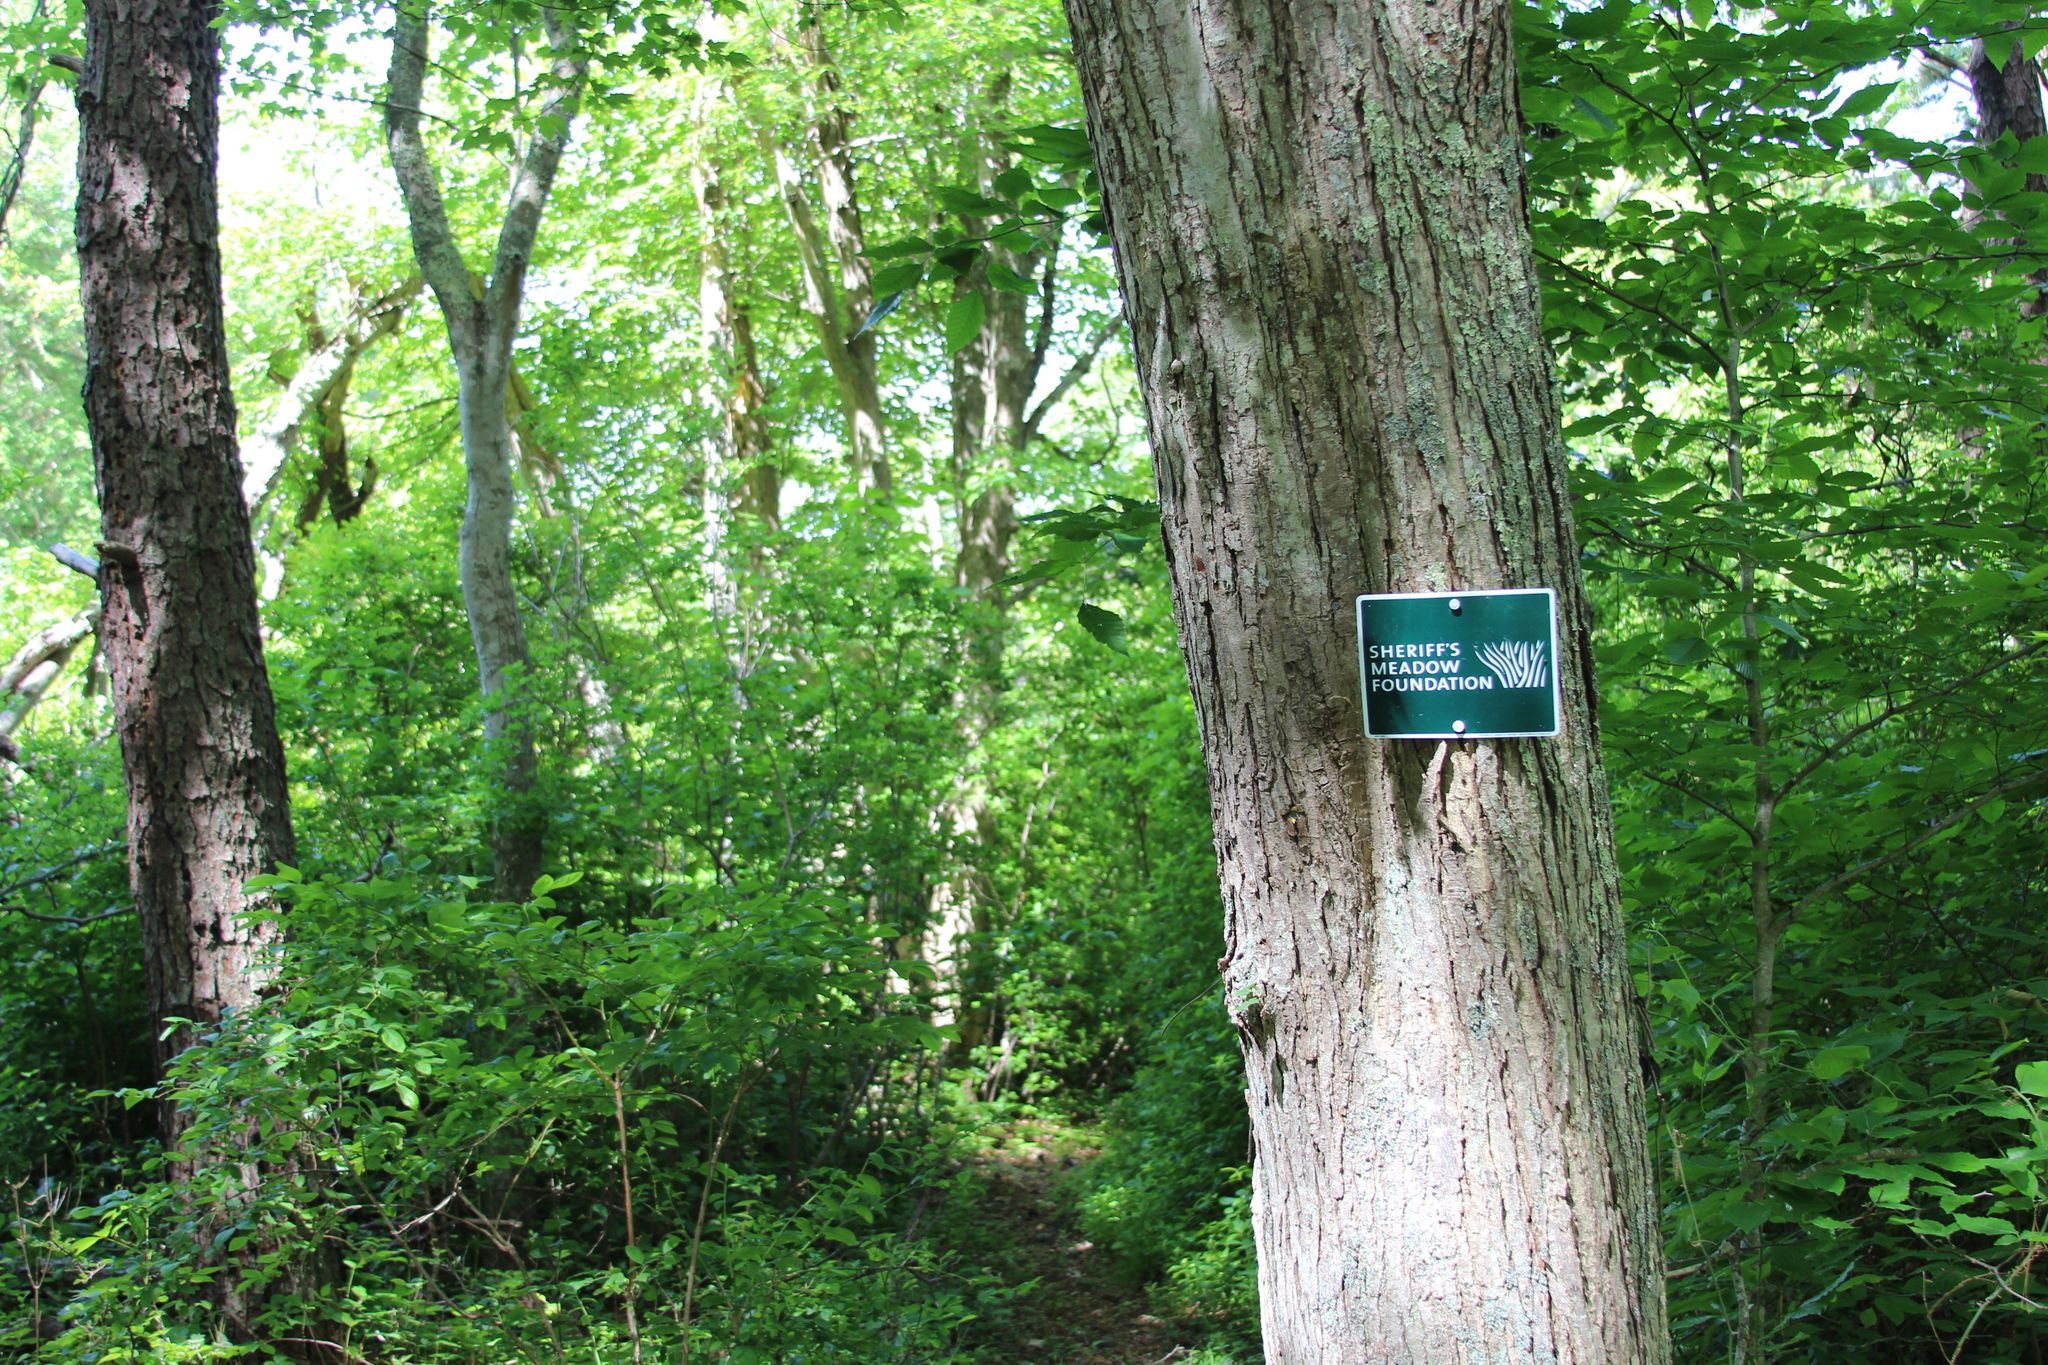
[467, 1131]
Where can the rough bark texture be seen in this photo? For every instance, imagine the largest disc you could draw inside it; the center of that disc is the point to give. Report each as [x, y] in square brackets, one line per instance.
[482, 322]
[2008, 99]
[1319, 219]
[192, 702]
[2008, 96]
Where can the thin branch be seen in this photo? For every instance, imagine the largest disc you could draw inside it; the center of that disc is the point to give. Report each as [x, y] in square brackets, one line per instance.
[312, 91]
[1041, 343]
[52, 641]
[1693, 562]
[1075, 373]
[536, 177]
[1691, 795]
[50, 874]
[75, 559]
[1914, 845]
[68, 921]
[1821, 759]
[17, 166]
[419, 183]
[1593, 282]
[369, 321]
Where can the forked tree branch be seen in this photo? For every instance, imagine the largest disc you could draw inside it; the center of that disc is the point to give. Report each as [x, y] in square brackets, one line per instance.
[419, 183]
[536, 177]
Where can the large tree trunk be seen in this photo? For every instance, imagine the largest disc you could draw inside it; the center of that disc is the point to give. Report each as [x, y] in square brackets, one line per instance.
[482, 318]
[205, 769]
[192, 702]
[1320, 229]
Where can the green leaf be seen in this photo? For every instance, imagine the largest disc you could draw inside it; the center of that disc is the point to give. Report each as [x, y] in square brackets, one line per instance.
[905, 246]
[1782, 627]
[1832, 1062]
[1106, 626]
[1052, 144]
[1868, 100]
[1594, 112]
[1003, 277]
[969, 204]
[896, 279]
[1685, 650]
[963, 321]
[2032, 1078]
[1989, 1227]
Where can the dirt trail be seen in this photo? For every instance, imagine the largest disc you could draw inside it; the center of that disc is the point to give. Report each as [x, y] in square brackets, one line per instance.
[1083, 1310]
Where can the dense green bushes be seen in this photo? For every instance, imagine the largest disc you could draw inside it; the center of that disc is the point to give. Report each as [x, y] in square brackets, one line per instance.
[474, 1128]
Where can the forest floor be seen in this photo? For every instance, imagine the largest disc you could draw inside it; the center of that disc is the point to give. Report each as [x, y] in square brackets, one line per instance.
[1076, 1305]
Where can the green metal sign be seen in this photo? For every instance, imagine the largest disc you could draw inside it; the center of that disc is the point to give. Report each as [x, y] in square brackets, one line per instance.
[1459, 665]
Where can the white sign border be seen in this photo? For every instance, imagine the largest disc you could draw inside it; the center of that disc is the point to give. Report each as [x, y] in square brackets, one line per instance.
[1556, 694]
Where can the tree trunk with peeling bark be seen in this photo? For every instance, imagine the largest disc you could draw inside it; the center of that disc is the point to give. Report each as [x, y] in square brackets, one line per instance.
[482, 318]
[192, 699]
[178, 621]
[1323, 246]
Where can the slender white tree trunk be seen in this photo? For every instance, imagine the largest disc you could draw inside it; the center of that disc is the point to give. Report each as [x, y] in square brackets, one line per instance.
[482, 317]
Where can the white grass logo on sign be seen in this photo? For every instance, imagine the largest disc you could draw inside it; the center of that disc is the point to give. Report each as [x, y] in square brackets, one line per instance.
[1518, 663]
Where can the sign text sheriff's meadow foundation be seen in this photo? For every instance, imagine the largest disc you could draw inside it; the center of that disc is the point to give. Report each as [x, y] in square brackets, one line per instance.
[1459, 665]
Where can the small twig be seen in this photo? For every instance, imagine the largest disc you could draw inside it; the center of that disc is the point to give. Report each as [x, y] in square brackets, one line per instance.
[57, 870]
[327, 1346]
[76, 559]
[69, 921]
[704, 1206]
[448, 1199]
[1075, 373]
